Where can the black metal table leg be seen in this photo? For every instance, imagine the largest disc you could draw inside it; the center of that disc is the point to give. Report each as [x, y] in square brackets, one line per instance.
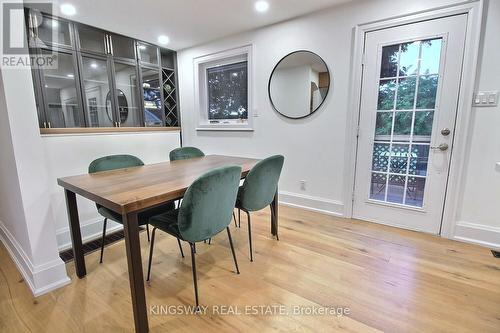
[274, 215]
[134, 260]
[76, 236]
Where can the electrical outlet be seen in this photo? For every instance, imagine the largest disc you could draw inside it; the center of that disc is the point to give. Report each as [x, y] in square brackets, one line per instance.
[303, 184]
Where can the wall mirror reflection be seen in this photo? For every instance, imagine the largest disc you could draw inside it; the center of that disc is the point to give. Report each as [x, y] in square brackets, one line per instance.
[299, 84]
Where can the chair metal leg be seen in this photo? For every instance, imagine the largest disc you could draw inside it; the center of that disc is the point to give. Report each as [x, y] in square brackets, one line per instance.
[232, 250]
[250, 235]
[147, 231]
[151, 253]
[103, 238]
[234, 217]
[180, 247]
[209, 241]
[273, 220]
[239, 218]
[195, 279]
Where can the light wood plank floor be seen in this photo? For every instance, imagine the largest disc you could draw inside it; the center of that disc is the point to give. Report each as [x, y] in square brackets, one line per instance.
[391, 280]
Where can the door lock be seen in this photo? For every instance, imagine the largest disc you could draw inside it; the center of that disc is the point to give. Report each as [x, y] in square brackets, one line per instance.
[445, 131]
[442, 147]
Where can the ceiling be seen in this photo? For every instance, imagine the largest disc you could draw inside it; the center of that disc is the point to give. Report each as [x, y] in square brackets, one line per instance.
[187, 22]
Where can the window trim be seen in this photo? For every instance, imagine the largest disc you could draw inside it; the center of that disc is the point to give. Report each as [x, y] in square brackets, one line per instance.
[201, 64]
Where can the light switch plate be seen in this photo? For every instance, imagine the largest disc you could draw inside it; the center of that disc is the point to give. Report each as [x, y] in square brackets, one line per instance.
[485, 98]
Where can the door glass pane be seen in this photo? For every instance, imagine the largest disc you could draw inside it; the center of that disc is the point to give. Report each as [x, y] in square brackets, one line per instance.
[91, 39]
[431, 56]
[402, 136]
[427, 90]
[396, 188]
[380, 160]
[389, 66]
[63, 107]
[418, 160]
[423, 125]
[398, 158]
[408, 58]
[383, 127]
[386, 91]
[54, 31]
[127, 95]
[406, 93]
[378, 186]
[97, 92]
[415, 191]
[148, 53]
[402, 125]
[123, 46]
[152, 97]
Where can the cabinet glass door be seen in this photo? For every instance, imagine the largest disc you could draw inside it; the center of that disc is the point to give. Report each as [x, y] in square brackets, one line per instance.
[91, 40]
[153, 115]
[63, 108]
[97, 92]
[127, 94]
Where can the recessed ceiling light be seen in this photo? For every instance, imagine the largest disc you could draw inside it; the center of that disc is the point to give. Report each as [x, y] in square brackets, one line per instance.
[261, 6]
[163, 39]
[68, 9]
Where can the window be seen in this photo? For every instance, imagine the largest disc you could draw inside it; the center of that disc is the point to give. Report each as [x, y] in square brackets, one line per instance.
[223, 86]
[227, 92]
[100, 79]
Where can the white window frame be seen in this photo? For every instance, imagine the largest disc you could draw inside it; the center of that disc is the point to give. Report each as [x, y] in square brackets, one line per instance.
[201, 64]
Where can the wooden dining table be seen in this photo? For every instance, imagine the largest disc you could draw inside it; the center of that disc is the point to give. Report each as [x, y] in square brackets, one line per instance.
[130, 191]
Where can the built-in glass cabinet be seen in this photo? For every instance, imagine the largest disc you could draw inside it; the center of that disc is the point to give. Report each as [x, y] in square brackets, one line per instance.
[100, 79]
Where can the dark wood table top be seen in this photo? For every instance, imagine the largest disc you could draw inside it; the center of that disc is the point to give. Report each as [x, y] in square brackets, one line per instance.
[138, 188]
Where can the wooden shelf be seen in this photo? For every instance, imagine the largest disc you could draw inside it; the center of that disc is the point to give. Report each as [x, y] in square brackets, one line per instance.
[90, 130]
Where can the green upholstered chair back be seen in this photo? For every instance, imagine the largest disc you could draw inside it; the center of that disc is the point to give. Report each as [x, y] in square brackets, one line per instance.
[184, 153]
[261, 183]
[113, 162]
[208, 204]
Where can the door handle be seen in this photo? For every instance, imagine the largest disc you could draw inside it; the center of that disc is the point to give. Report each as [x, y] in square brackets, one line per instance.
[442, 147]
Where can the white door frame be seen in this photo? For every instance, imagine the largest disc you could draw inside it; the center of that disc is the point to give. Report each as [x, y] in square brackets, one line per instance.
[474, 12]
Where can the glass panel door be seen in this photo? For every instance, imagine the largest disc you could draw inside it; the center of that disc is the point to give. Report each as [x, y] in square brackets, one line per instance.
[59, 88]
[153, 115]
[91, 39]
[406, 104]
[97, 92]
[127, 94]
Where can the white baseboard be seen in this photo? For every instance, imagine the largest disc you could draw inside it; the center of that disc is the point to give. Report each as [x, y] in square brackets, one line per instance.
[315, 204]
[478, 234]
[90, 230]
[42, 278]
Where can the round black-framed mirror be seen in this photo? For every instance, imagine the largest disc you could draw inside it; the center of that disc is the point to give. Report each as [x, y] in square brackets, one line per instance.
[299, 84]
[122, 106]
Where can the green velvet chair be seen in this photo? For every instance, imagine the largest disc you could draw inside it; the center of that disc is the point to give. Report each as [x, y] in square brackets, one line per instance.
[114, 162]
[259, 188]
[184, 153]
[204, 212]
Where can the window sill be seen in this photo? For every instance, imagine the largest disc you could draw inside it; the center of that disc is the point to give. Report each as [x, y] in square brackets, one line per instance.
[101, 130]
[229, 129]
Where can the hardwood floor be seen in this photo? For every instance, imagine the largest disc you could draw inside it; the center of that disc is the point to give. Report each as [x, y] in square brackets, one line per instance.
[390, 280]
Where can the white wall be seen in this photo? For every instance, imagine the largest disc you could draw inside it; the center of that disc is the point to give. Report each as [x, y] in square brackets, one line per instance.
[27, 228]
[314, 146]
[479, 217]
[71, 155]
